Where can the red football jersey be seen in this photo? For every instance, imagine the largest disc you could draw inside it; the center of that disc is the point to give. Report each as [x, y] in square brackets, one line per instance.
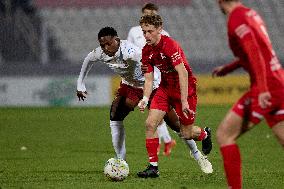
[165, 56]
[249, 41]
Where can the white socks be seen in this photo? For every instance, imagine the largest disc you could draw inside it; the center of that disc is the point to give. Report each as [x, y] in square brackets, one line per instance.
[163, 133]
[118, 138]
[192, 146]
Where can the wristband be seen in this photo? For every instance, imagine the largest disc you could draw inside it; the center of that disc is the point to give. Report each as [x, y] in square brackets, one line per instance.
[146, 100]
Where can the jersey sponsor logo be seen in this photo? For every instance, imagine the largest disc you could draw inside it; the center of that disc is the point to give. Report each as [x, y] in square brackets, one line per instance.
[176, 56]
[151, 55]
[242, 30]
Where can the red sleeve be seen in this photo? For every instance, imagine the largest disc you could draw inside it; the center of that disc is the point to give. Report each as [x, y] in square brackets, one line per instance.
[231, 67]
[173, 51]
[146, 60]
[250, 46]
[246, 37]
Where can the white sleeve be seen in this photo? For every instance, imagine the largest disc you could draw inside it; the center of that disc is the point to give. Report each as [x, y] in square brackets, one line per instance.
[86, 67]
[164, 32]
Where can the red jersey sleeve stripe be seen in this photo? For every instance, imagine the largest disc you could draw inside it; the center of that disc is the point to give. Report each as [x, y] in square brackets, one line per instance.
[242, 30]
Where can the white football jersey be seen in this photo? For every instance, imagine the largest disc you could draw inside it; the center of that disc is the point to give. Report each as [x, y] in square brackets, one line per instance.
[126, 62]
[136, 36]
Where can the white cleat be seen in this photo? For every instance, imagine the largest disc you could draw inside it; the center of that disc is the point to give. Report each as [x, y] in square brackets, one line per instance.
[205, 164]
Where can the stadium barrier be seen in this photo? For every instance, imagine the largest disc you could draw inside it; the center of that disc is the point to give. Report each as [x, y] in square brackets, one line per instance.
[224, 90]
[53, 91]
[60, 91]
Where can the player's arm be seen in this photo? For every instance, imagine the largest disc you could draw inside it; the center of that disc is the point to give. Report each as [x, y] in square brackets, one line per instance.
[149, 78]
[86, 66]
[147, 90]
[257, 63]
[183, 82]
[225, 69]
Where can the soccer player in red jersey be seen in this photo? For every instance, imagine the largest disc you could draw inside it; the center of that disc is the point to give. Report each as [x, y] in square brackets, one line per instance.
[249, 41]
[177, 90]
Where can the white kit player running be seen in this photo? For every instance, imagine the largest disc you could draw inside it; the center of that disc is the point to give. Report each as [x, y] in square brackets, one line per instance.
[136, 37]
[123, 58]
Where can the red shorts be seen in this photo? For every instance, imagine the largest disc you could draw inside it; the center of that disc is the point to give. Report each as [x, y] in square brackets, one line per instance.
[254, 113]
[130, 92]
[164, 99]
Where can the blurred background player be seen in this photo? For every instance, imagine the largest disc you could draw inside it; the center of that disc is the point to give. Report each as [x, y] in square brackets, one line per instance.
[177, 89]
[136, 37]
[250, 43]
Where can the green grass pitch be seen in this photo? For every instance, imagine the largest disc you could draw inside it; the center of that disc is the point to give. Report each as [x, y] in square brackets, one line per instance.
[68, 147]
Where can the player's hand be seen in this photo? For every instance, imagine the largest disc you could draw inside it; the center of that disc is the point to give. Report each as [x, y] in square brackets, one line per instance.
[218, 71]
[185, 109]
[264, 99]
[144, 68]
[82, 95]
[143, 104]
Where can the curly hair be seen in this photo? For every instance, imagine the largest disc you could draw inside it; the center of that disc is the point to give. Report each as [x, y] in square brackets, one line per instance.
[155, 20]
[107, 31]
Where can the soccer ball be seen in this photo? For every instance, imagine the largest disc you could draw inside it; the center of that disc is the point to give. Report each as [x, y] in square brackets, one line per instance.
[116, 169]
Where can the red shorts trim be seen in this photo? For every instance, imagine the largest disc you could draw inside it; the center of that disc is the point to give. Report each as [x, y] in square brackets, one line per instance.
[130, 92]
[248, 108]
[166, 99]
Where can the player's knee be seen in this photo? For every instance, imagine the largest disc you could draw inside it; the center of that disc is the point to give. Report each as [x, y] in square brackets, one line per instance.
[186, 133]
[119, 114]
[222, 137]
[150, 125]
[116, 116]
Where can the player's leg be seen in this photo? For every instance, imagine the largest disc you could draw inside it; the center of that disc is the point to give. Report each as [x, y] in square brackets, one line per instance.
[227, 133]
[190, 131]
[152, 142]
[163, 134]
[172, 120]
[124, 102]
[158, 108]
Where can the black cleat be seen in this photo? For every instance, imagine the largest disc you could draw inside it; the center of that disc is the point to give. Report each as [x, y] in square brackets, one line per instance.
[151, 171]
[207, 143]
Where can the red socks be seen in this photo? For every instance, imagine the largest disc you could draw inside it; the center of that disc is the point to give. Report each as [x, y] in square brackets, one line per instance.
[202, 135]
[232, 165]
[152, 146]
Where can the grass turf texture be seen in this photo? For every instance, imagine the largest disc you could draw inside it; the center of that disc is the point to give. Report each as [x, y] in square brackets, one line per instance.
[68, 147]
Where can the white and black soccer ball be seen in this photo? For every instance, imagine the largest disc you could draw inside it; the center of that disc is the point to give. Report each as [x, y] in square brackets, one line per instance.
[116, 169]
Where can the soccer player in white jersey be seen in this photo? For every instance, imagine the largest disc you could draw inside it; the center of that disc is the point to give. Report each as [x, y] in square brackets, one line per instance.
[136, 37]
[123, 58]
